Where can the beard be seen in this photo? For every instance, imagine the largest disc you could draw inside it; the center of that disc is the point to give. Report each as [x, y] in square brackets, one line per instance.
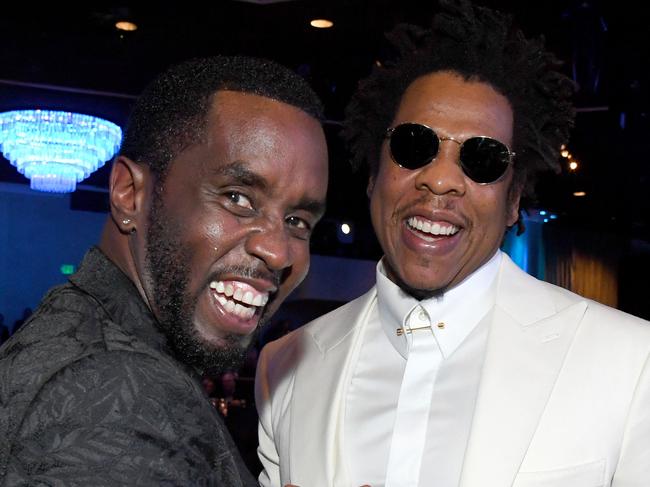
[166, 263]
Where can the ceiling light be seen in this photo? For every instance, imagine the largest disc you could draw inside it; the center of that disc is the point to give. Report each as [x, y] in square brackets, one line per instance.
[56, 150]
[565, 153]
[321, 23]
[573, 165]
[580, 193]
[126, 25]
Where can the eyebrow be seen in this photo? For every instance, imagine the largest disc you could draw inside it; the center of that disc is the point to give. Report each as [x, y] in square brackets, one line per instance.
[239, 171]
[315, 207]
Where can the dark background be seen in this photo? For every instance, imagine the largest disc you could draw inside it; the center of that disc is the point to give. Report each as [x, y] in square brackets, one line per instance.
[73, 58]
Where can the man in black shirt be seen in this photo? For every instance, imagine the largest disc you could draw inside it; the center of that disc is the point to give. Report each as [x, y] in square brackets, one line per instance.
[220, 179]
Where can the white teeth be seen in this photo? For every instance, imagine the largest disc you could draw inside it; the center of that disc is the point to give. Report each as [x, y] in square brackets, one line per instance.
[238, 300]
[243, 311]
[235, 308]
[229, 290]
[432, 228]
[247, 297]
[217, 286]
[238, 294]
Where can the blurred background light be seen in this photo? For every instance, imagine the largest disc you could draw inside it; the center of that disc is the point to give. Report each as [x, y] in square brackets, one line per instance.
[56, 149]
[321, 23]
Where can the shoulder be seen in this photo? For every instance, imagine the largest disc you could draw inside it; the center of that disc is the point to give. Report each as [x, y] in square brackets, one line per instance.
[323, 332]
[525, 296]
[63, 328]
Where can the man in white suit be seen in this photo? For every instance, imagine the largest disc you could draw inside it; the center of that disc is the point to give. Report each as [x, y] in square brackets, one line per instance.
[458, 368]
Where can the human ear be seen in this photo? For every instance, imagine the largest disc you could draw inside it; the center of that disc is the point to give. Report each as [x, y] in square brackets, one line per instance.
[371, 186]
[127, 193]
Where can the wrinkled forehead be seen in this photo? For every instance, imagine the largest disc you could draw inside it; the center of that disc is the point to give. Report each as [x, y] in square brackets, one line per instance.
[448, 102]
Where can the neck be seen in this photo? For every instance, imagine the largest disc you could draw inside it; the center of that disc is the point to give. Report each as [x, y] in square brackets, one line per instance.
[120, 248]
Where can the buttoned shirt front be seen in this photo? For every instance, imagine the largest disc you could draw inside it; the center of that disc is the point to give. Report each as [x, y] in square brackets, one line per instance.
[375, 438]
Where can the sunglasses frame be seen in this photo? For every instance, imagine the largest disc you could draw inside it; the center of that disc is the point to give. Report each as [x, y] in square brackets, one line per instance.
[389, 132]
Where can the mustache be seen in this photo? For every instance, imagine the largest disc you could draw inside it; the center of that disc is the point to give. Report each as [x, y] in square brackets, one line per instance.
[250, 272]
[431, 201]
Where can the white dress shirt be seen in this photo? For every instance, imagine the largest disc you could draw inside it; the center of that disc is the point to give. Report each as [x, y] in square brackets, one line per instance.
[378, 427]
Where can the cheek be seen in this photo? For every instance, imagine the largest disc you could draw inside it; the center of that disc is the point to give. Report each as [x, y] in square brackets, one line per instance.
[301, 263]
[388, 188]
[494, 214]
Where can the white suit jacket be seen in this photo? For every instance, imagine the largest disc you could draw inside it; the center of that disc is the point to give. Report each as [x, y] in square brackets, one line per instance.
[564, 397]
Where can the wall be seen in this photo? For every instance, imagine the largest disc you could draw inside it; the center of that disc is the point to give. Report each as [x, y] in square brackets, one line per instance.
[38, 233]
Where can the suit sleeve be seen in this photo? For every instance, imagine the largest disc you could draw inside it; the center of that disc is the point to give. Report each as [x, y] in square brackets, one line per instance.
[267, 451]
[122, 418]
[633, 468]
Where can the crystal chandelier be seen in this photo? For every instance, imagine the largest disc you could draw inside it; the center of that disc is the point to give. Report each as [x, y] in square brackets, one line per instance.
[54, 149]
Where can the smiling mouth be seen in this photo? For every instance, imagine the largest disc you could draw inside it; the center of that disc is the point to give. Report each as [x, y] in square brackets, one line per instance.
[429, 231]
[239, 298]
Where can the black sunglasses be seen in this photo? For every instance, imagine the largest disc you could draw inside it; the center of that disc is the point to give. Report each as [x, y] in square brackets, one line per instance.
[483, 159]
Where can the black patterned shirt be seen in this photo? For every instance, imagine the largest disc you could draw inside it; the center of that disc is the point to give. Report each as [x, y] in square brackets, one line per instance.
[92, 395]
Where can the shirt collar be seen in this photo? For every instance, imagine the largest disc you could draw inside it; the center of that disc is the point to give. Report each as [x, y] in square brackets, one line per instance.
[120, 299]
[459, 308]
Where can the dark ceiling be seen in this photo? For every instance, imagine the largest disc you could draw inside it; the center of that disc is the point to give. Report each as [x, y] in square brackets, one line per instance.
[73, 58]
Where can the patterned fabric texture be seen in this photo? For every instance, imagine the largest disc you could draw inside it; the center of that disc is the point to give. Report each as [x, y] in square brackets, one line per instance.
[92, 395]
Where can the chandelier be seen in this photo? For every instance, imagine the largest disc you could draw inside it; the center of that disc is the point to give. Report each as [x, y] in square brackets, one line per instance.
[55, 149]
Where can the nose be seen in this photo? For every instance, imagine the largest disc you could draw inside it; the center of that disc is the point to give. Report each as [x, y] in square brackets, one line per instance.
[443, 175]
[271, 244]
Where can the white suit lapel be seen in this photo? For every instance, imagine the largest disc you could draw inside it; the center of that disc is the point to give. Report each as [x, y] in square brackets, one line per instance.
[530, 333]
[318, 396]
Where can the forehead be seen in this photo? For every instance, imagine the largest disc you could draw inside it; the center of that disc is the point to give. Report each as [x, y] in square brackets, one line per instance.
[236, 114]
[446, 101]
[252, 126]
[278, 143]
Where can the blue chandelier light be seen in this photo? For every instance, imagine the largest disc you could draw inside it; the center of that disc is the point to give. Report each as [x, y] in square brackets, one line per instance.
[54, 149]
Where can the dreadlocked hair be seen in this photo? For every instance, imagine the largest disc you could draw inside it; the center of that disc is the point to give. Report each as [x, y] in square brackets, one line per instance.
[478, 44]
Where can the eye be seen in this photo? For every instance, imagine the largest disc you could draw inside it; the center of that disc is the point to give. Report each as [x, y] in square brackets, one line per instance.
[240, 200]
[297, 222]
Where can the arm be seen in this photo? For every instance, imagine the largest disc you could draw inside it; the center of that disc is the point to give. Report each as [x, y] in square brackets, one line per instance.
[267, 451]
[633, 468]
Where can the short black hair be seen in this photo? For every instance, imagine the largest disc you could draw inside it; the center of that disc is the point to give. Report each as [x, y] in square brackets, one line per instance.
[171, 113]
[479, 44]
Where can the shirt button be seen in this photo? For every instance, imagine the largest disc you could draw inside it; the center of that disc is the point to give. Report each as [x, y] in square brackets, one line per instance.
[422, 315]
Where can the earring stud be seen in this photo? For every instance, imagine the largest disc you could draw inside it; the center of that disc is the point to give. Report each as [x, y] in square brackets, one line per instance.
[126, 221]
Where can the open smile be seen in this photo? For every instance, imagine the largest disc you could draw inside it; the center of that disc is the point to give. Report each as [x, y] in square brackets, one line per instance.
[239, 299]
[430, 231]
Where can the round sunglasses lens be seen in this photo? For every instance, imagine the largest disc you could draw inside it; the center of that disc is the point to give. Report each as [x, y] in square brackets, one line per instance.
[483, 159]
[413, 145]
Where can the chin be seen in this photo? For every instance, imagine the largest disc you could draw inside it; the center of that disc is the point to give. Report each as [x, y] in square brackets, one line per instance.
[220, 341]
